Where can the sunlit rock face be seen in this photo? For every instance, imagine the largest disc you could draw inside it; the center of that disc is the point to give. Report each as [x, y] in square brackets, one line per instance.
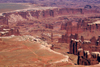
[39, 14]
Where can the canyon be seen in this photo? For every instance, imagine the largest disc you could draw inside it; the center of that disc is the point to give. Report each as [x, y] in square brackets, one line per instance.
[50, 37]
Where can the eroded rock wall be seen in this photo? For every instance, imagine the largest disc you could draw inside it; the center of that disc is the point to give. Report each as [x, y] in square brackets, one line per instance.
[39, 14]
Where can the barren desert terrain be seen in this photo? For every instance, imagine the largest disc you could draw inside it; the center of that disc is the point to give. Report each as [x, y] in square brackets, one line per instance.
[51, 33]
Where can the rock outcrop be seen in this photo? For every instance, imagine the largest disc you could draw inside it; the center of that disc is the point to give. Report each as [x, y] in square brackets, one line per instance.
[85, 58]
[3, 20]
[80, 26]
[6, 31]
[66, 39]
[87, 51]
[92, 45]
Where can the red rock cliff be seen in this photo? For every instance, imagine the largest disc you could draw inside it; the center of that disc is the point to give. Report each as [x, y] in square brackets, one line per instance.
[39, 14]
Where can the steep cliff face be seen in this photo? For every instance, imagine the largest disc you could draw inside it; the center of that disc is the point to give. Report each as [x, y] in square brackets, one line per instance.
[3, 20]
[40, 14]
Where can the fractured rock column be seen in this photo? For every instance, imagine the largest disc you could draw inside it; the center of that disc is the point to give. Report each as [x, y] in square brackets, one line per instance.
[80, 54]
